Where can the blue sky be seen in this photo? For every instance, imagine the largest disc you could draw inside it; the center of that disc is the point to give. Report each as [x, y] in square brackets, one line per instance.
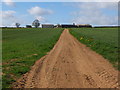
[95, 13]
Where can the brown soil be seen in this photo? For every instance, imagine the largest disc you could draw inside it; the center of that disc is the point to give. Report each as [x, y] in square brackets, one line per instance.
[70, 64]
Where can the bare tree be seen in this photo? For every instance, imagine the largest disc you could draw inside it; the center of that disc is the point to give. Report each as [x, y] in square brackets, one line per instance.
[36, 23]
[17, 25]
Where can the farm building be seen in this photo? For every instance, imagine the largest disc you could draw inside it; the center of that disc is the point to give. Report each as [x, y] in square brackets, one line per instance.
[68, 26]
[57, 26]
[84, 25]
[73, 25]
[28, 26]
[47, 26]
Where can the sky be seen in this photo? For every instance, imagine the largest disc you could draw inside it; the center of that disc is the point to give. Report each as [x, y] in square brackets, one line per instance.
[94, 13]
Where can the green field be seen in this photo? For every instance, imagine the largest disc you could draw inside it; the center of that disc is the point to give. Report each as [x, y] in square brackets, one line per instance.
[102, 40]
[22, 47]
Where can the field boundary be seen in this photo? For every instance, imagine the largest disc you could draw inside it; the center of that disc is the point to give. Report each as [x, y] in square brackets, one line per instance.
[101, 48]
[21, 48]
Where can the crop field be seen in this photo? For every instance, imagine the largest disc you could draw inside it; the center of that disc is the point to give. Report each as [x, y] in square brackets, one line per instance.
[102, 40]
[21, 48]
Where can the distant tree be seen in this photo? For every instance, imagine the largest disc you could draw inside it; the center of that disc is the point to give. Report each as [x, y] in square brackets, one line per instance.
[17, 25]
[36, 23]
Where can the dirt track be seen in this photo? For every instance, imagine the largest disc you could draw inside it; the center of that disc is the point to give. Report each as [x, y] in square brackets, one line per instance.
[70, 64]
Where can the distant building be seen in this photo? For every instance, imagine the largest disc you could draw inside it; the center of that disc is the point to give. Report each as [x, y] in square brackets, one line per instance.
[57, 26]
[47, 26]
[28, 26]
[68, 26]
[84, 25]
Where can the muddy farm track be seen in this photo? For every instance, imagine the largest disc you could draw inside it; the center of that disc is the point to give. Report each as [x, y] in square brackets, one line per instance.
[70, 64]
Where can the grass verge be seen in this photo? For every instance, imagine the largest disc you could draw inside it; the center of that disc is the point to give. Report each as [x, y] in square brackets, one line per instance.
[102, 40]
[21, 48]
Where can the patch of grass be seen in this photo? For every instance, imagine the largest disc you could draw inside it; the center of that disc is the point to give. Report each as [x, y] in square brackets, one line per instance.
[7, 80]
[102, 40]
[22, 47]
[19, 70]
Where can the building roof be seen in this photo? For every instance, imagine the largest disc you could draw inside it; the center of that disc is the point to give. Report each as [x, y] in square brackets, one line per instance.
[83, 24]
[47, 24]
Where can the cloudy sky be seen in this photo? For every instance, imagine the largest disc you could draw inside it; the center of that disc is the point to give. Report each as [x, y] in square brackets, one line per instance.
[95, 13]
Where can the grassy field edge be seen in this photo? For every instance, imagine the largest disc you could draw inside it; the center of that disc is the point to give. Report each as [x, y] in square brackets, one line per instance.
[22, 48]
[108, 51]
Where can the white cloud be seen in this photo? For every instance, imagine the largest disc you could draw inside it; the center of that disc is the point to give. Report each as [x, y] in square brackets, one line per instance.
[9, 2]
[39, 11]
[98, 5]
[40, 18]
[7, 14]
[6, 17]
[96, 20]
[9, 18]
[91, 13]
